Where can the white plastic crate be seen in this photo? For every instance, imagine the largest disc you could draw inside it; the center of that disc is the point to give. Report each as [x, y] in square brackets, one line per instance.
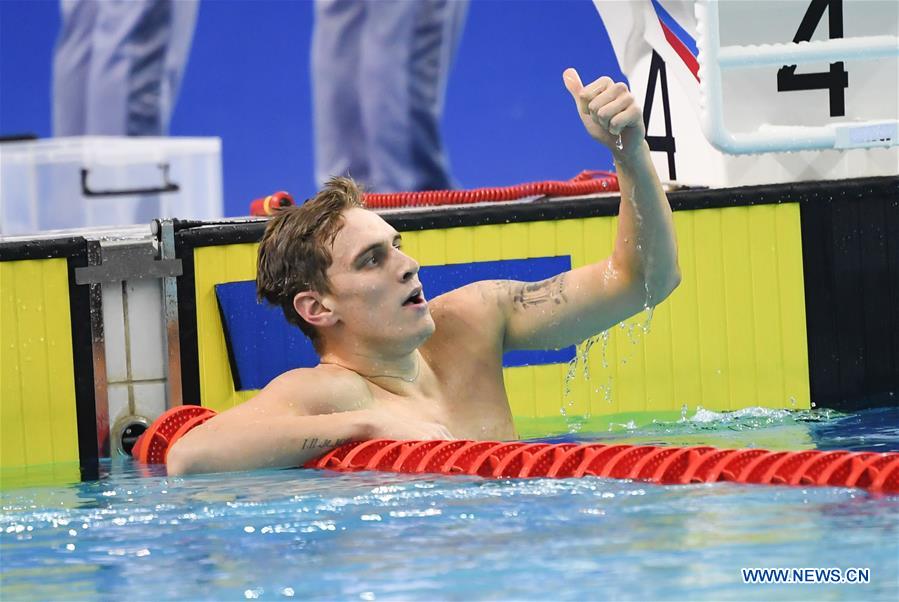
[62, 183]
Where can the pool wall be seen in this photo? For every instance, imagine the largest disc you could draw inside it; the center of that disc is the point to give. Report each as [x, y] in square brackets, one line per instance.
[733, 333]
[790, 297]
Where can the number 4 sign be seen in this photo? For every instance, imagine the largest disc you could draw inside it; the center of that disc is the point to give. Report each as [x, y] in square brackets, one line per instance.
[835, 79]
[739, 74]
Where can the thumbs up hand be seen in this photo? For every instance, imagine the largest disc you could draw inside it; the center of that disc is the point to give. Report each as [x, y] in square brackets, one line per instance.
[608, 111]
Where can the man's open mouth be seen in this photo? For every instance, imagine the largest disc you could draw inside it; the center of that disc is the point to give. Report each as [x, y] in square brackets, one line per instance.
[415, 298]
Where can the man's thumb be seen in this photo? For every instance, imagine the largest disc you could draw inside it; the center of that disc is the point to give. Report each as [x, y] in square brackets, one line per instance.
[572, 81]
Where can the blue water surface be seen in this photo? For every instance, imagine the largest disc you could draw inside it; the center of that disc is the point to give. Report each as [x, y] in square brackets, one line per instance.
[378, 536]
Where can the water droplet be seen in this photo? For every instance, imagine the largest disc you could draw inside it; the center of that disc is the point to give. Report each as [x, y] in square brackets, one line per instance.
[648, 323]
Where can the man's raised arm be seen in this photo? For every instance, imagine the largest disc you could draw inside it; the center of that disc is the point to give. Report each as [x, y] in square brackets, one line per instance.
[642, 270]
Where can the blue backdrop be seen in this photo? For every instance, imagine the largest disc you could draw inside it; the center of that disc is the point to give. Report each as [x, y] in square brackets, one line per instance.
[508, 118]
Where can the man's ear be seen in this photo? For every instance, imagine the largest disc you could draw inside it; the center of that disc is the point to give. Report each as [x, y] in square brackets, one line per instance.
[310, 306]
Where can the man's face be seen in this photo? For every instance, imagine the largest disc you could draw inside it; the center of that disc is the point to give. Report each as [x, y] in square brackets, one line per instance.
[374, 285]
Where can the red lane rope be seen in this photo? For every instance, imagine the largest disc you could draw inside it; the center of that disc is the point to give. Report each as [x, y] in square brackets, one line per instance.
[586, 182]
[667, 465]
[876, 472]
[153, 445]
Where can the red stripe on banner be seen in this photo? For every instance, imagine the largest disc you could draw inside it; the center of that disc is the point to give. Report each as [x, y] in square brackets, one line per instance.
[682, 51]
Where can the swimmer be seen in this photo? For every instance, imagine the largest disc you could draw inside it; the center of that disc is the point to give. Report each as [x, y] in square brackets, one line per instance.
[396, 365]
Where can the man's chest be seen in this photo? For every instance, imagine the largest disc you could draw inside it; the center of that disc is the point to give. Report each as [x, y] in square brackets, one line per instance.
[471, 403]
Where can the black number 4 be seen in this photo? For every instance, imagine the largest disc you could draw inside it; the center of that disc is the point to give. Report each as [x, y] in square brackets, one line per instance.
[664, 143]
[836, 79]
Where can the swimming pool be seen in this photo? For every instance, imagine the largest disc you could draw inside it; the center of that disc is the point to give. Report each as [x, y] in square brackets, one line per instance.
[376, 536]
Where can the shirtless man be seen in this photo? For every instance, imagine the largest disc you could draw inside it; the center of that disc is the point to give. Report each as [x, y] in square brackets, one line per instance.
[394, 365]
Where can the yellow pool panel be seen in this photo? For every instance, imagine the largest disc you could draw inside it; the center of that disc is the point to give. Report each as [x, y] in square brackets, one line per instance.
[731, 336]
[38, 414]
[214, 265]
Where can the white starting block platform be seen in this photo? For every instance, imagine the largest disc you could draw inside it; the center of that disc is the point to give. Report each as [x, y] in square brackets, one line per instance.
[740, 93]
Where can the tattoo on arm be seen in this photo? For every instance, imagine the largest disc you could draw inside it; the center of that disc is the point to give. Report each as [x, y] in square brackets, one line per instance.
[315, 443]
[534, 294]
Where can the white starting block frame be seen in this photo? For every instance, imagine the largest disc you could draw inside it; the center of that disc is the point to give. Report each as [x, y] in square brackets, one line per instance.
[713, 59]
[738, 112]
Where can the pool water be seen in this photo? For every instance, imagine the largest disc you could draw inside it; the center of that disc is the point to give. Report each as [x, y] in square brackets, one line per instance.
[378, 536]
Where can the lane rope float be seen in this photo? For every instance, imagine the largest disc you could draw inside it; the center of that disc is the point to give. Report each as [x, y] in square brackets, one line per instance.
[664, 465]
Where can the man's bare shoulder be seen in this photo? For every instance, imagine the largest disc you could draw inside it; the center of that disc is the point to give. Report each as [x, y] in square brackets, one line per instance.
[484, 297]
[323, 389]
[474, 307]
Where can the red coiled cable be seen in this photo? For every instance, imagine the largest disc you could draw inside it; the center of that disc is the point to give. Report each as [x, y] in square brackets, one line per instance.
[586, 182]
[270, 204]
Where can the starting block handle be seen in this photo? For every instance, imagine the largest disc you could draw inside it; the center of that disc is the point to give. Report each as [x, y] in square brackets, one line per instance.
[769, 138]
